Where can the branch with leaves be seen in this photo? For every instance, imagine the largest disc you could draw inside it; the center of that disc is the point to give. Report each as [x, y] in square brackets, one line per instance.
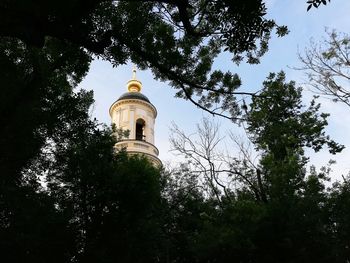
[327, 66]
[316, 3]
[177, 40]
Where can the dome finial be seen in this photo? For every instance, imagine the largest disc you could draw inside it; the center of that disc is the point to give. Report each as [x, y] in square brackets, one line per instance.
[133, 71]
[134, 85]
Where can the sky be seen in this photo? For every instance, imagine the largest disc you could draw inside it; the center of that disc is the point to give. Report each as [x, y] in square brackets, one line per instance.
[109, 83]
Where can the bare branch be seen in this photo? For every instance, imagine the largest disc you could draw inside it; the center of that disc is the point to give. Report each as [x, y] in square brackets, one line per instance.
[327, 66]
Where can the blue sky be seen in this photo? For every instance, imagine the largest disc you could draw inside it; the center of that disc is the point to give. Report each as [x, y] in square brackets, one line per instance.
[109, 83]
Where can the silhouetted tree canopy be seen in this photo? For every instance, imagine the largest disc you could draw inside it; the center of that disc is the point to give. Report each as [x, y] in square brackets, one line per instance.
[67, 195]
[194, 33]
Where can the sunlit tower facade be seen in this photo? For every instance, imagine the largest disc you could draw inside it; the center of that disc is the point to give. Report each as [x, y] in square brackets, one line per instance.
[134, 112]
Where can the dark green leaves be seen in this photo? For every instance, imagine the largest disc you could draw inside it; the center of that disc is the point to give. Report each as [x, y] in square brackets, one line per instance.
[278, 119]
[316, 3]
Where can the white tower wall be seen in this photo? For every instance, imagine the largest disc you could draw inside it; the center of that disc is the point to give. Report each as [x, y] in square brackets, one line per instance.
[133, 112]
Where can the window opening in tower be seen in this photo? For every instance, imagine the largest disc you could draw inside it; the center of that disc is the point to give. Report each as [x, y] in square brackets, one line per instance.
[140, 128]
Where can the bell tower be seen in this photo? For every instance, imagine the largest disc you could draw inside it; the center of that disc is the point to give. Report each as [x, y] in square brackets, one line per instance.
[134, 112]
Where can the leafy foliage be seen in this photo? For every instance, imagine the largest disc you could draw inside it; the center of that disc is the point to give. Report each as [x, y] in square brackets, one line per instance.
[194, 32]
[279, 124]
[36, 97]
[281, 129]
[316, 3]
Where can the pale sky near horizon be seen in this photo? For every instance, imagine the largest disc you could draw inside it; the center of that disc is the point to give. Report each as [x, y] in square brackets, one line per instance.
[109, 83]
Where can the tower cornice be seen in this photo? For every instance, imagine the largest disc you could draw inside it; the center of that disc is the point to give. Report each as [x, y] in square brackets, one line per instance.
[117, 103]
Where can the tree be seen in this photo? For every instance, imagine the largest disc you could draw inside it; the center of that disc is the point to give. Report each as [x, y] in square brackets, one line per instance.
[194, 33]
[279, 215]
[37, 102]
[96, 204]
[31, 227]
[280, 128]
[36, 98]
[339, 218]
[112, 200]
[327, 66]
[203, 158]
[219, 173]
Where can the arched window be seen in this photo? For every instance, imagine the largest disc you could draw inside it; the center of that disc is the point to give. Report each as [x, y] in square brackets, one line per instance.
[140, 128]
